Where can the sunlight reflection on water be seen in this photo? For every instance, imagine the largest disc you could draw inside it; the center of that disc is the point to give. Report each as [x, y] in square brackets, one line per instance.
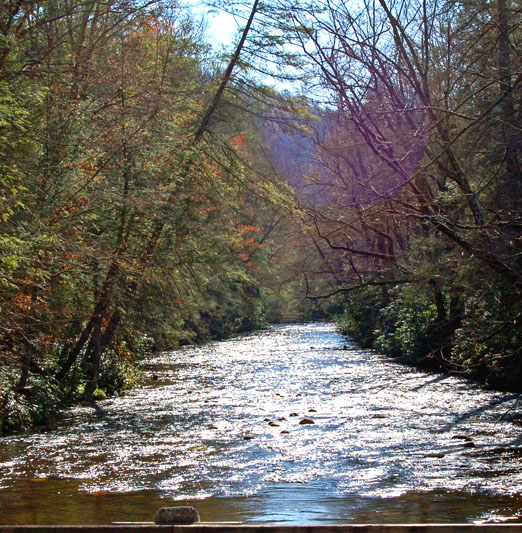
[219, 421]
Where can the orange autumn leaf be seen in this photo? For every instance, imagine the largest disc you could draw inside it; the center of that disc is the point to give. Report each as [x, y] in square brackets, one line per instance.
[238, 140]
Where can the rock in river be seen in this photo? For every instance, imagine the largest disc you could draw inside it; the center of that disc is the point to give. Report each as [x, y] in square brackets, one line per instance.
[306, 421]
[462, 437]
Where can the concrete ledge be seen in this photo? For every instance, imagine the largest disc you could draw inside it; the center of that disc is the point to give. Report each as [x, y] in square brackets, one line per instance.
[224, 528]
[87, 529]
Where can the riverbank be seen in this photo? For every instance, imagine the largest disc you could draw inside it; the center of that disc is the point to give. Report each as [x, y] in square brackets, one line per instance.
[462, 333]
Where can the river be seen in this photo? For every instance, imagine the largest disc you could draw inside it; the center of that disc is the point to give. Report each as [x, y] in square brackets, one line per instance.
[218, 426]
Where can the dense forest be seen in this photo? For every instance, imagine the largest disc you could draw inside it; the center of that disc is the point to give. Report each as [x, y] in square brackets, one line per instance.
[416, 181]
[357, 159]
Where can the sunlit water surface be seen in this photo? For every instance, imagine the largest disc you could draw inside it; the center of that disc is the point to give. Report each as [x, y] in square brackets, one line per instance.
[219, 426]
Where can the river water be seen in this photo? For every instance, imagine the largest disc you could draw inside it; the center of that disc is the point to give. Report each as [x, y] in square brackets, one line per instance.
[218, 426]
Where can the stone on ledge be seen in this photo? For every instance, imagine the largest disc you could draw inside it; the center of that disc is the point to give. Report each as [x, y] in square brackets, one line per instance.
[176, 515]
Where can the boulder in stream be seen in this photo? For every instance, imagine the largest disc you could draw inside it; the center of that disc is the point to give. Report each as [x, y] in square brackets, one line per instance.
[306, 421]
[462, 437]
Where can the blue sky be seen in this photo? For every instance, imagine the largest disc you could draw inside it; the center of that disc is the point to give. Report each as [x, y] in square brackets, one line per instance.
[222, 27]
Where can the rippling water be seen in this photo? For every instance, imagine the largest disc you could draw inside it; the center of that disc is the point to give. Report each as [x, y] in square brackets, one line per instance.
[220, 424]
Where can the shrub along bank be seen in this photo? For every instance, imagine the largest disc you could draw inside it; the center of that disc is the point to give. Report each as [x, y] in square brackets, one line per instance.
[465, 332]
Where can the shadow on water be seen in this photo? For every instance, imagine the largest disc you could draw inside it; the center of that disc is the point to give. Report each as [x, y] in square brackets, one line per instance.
[436, 379]
[491, 406]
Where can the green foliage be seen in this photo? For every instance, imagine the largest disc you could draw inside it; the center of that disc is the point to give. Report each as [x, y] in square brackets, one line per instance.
[34, 405]
[121, 229]
[15, 412]
[361, 318]
[481, 342]
[487, 344]
[406, 329]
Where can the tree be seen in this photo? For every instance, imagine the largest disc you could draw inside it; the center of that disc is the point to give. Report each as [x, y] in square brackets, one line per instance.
[128, 200]
[413, 192]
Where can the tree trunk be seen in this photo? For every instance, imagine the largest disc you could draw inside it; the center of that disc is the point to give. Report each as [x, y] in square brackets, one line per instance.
[100, 343]
[99, 312]
[511, 191]
[113, 273]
